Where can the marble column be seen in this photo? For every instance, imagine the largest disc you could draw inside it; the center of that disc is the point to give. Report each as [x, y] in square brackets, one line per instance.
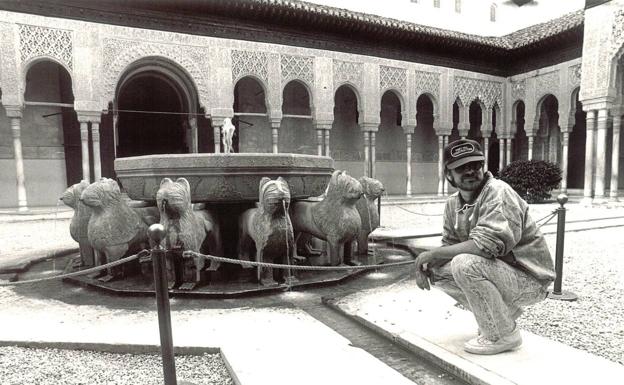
[408, 152]
[366, 153]
[319, 141]
[373, 135]
[217, 123]
[97, 160]
[194, 140]
[441, 165]
[615, 156]
[508, 150]
[486, 143]
[84, 140]
[530, 139]
[327, 150]
[589, 155]
[501, 154]
[275, 125]
[565, 141]
[601, 150]
[446, 142]
[16, 131]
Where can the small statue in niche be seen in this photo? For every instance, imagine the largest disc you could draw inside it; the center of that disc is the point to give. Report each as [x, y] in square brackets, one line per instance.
[187, 229]
[228, 133]
[334, 219]
[367, 208]
[79, 222]
[114, 228]
[268, 229]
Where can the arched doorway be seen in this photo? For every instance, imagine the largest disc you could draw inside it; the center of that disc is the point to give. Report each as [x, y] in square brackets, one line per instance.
[520, 142]
[347, 141]
[253, 131]
[576, 147]
[152, 116]
[493, 150]
[424, 148]
[548, 141]
[297, 133]
[390, 145]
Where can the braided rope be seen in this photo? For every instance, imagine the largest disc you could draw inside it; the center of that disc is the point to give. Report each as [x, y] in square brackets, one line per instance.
[295, 267]
[552, 215]
[81, 272]
[417, 213]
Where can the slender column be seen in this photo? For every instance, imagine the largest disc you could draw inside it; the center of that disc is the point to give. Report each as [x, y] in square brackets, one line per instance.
[615, 156]
[319, 141]
[372, 150]
[327, 151]
[194, 139]
[501, 154]
[530, 147]
[446, 142]
[601, 149]
[565, 141]
[22, 202]
[485, 151]
[97, 161]
[508, 148]
[440, 165]
[408, 152]
[589, 155]
[216, 130]
[366, 154]
[275, 124]
[84, 139]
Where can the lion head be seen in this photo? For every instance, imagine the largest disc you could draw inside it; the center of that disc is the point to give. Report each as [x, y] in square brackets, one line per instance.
[274, 194]
[174, 198]
[103, 193]
[343, 186]
[71, 196]
[372, 187]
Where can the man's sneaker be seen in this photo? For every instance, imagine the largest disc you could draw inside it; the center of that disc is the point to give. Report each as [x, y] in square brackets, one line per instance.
[483, 345]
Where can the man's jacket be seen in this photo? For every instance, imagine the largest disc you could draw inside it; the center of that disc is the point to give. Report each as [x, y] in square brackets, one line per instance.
[498, 222]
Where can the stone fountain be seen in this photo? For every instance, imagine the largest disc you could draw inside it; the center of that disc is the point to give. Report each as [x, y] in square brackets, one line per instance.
[237, 205]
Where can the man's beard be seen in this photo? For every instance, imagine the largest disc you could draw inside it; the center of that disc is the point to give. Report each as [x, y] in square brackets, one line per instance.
[470, 183]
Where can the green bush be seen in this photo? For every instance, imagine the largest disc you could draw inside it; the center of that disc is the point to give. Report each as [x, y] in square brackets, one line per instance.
[532, 179]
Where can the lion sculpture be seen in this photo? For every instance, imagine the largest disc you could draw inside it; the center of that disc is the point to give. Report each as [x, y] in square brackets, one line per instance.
[114, 228]
[79, 222]
[368, 211]
[334, 219]
[187, 230]
[268, 229]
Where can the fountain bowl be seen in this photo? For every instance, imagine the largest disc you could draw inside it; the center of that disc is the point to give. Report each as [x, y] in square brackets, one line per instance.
[233, 177]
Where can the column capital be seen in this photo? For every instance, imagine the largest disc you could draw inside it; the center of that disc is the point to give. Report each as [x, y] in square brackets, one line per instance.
[323, 124]
[276, 122]
[408, 129]
[13, 111]
[369, 126]
[89, 116]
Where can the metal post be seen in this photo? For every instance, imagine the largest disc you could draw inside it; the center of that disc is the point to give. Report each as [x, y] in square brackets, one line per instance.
[156, 233]
[557, 293]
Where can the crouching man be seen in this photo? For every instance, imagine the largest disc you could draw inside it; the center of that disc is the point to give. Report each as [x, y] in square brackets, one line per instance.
[494, 260]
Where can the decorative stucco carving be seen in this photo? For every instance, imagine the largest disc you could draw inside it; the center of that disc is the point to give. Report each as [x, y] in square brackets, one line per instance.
[518, 89]
[392, 78]
[297, 67]
[574, 75]
[38, 41]
[487, 91]
[617, 32]
[120, 53]
[246, 63]
[547, 84]
[348, 72]
[427, 82]
[9, 82]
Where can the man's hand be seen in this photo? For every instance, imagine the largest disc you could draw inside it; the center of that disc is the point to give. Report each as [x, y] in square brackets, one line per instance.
[422, 279]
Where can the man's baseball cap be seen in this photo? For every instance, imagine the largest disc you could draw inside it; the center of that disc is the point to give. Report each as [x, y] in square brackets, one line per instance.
[462, 151]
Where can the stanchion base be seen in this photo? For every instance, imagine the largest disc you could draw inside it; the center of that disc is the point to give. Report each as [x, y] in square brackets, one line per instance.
[563, 296]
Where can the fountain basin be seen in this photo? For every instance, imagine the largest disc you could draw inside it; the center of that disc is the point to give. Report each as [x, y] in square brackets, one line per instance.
[224, 177]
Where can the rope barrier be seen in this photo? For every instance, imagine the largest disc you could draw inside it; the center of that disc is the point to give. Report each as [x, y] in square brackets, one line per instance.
[295, 267]
[417, 213]
[81, 272]
[552, 215]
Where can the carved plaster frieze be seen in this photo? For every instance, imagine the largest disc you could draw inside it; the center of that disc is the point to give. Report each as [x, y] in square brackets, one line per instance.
[120, 53]
[392, 78]
[487, 91]
[547, 84]
[518, 89]
[297, 67]
[617, 33]
[38, 41]
[348, 72]
[427, 82]
[9, 79]
[574, 75]
[246, 63]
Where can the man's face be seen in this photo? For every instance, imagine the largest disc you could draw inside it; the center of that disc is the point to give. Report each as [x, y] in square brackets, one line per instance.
[468, 177]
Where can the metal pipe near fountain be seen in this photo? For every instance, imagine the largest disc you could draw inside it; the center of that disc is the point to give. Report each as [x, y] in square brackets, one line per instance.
[557, 293]
[156, 233]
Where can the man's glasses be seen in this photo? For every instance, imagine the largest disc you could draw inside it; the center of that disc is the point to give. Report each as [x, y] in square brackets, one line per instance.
[470, 166]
